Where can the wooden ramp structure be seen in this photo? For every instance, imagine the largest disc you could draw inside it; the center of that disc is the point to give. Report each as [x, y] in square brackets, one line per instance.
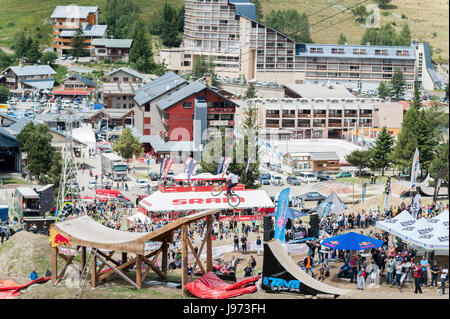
[82, 232]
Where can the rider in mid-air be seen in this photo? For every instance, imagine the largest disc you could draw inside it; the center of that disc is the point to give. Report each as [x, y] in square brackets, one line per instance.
[233, 180]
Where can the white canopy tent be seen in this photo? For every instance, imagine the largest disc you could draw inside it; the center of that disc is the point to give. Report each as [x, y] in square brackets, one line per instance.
[199, 177]
[188, 201]
[430, 234]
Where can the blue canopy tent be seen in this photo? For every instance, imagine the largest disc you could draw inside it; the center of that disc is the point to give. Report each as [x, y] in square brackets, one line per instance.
[352, 241]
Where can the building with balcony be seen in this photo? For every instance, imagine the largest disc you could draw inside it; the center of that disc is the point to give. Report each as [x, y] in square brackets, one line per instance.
[227, 31]
[172, 115]
[67, 19]
[75, 86]
[311, 161]
[111, 49]
[338, 118]
[21, 79]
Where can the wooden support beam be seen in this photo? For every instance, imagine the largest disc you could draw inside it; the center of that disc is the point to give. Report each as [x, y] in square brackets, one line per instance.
[139, 270]
[107, 258]
[114, 269]
[155, 268]
[83, 257]
[68, 262]
[54, 264]
[184, 257]
[164, 260]
[209, 220]
[93, 269]
[197, 258]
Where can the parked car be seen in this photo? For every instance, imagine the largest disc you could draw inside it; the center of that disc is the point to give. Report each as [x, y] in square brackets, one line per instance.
[92, 185]
[277, 180]
[344, 174]
[106, 185]
[324, 177]
[154, 176]
[265, 176]
[265, 181]
[292, 180]
[306, 177]
[141, 183]
[363, 173]
[63, 57]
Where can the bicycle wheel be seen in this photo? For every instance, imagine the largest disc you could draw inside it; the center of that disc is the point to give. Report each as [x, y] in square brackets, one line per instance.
[216, 190]
[234, 200]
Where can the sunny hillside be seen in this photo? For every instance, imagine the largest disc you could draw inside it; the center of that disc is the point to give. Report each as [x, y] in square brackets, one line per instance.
[428, 20]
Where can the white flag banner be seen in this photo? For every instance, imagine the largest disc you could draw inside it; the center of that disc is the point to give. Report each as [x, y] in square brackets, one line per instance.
[415, 170]
[415, 206]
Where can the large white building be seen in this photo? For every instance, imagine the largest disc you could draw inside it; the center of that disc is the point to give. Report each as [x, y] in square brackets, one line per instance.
[227, 31]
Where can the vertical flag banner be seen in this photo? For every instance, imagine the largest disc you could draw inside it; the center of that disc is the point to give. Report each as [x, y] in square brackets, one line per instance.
[167, 168]
[191, 168]
[387, 192]
[163, 165]
[282, 208]
[219, 165]
[248, 164]
[415, 170]
[415, 206]
[364, 188]
[226, 163]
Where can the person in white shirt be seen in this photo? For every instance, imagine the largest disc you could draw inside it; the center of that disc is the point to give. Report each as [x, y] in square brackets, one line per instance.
[233, 180]
[444, 274]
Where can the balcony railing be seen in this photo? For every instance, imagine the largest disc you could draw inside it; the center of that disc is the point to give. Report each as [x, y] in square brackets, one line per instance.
[319, 115]
[272, 125]
[271, 115]
[288, 125]
[220, 110]
[289, 115]
[365, 114]
[334, 115]
[303, 124]
[319, 124]
[334, 124]
[303, 115]
[350, 115]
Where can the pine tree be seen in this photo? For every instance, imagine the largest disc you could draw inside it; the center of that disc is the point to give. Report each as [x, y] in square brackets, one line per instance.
[404, 37]
[250, 93]
[258, 9]
[200, 68]
[128, 145]
[439, 164]
[342, 39]
[383, 4]
[359, 158]
[141, 51]
[398, 83]
[180, 19]
[417, 99]
[370, 36]
[78, 49]
[33, 53]
[4, 94]
[406, 144]
[384, 90]
[21, 45]
[426, 137]
[360, 13]
[380, 156]
[387, 35]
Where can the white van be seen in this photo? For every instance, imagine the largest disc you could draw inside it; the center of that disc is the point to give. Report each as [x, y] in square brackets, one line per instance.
[307, 177]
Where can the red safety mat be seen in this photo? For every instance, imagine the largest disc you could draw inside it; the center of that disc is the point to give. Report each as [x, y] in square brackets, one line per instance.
[8, 291]
[209, 286]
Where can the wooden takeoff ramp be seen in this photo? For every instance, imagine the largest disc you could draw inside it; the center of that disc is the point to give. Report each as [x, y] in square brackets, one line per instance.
[82, 232]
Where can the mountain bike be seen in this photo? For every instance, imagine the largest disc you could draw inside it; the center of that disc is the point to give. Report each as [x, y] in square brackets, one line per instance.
[233, 200]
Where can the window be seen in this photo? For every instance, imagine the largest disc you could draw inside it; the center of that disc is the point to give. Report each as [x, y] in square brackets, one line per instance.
[147, 107]
[124, 97]
[337, 51]
[147, 131]
[147, 120]
[359, 51]
[381, 52]
[402, 52]
[187, 105]
[125, 79]
[316, 50]
[115, 79]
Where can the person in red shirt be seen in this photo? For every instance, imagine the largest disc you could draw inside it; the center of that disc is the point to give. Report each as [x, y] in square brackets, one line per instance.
[418, 278]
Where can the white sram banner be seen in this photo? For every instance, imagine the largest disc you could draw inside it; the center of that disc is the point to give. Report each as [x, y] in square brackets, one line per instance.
[182, 201]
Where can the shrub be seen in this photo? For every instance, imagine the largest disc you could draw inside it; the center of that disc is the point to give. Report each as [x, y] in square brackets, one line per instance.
[385, 13]
[404, 16]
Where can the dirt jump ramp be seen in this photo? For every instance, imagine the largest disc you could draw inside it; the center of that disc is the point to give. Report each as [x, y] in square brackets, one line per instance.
[281, 274]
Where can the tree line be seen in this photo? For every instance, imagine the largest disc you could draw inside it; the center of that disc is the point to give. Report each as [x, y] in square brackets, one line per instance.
[168, 24]
[422, 128]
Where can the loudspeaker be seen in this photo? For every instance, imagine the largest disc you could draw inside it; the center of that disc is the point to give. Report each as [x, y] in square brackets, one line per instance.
[268, 228]
[314, 223]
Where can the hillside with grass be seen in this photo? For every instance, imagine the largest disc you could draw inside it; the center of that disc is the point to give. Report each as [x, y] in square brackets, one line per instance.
[428, 20]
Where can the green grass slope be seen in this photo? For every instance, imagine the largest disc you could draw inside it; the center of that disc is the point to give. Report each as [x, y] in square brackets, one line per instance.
[428, 20]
